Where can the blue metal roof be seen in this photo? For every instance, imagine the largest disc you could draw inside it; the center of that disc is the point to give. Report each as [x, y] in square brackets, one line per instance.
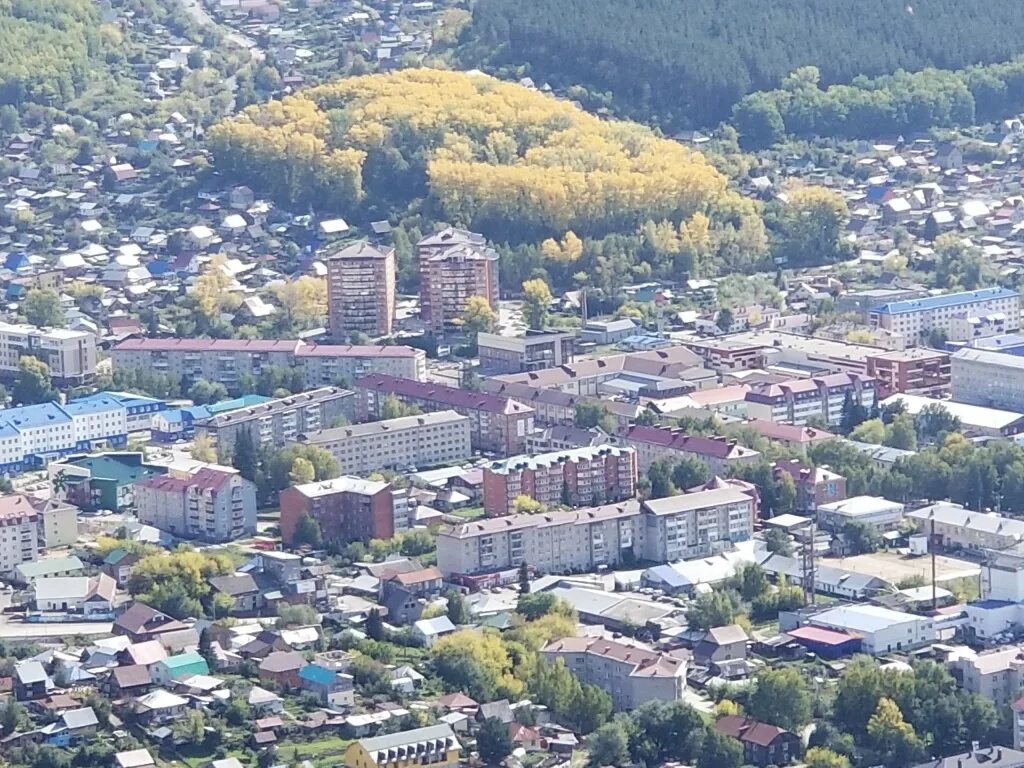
[317, 674]
[30, 416]
[93, 404]
[946, 300]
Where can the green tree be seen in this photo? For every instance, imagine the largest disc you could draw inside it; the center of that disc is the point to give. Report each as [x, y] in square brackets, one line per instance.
[861, 537]
[458, 609]
[374, 625]
[870, 431]
[609, 745]
[302, 471]
[590, 415]
[819, 757]
[493, 741]
[537, 300]
[689, 472]
[393, 408]
[11, 716]
[524, 578]
[535, 605]
[32, 383]
[42, 308]
[811, 223]
[307, 532]
[659, 475]
[891, 736]
[203, 391]
[780, 697]
[713, 609]
[478, 317]
[933, 421]
[725, 319]
[901, 433]
[245, 457]
[750, 581]
[778, 542]
[720, 751]
[785, 494]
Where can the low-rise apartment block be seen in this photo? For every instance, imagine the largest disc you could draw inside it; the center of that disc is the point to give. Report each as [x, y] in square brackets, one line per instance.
[915, 371]
[516, 354]
[955, 527]
[996, 675]
[70, 355]
[346, 509]
[19, 533]
[631, 675]
[821, 397]
[556, 407]
[988, 378]
[277, 422]
[425, 440]
[228, 360]
[586, 476]
[695, 524]
[214, 505]
[361, 290]
[814, 485]
[719, 453]
[499, 424]
[916, 318]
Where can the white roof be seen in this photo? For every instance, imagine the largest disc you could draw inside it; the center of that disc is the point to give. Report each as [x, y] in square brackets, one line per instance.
[863, 618]
[161, 699]
[861, 506]
[969, 415]
[333, 226]
[134, 758]
[435, 626]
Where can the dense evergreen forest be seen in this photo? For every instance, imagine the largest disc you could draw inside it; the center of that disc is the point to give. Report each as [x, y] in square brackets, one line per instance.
[686, 64]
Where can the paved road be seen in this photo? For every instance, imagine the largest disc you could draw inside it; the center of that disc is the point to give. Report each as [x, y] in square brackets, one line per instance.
[20, 631]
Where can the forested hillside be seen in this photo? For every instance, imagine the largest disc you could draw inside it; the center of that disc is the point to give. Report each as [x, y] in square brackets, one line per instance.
[45, 48]
[686, 64]
[515, 164]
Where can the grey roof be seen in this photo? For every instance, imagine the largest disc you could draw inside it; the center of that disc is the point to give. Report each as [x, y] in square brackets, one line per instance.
[990, 757]
[80, 718]
[397, 741]
[435, 626]
[699, 500]
[49, 565]
[731, 633]
[235, 584]
[29, 672]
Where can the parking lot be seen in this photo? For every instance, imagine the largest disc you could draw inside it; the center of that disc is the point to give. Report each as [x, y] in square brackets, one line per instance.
[895, 567]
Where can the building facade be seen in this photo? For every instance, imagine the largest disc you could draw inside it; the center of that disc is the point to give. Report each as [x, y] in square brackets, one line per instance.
[70, 355]
[821, 397]
[278, 422]
[653, 443]
[361, 290]
[498, 423]
[346, 509]
[454, 265]
[212, 505]
[916, 371]
[697, 524]
[19, 533]
[916, 318]
[988, 378]
[435, 746]
[587, 476]
[517, 354]
[228, 360]
[632, 676]
[425, 440]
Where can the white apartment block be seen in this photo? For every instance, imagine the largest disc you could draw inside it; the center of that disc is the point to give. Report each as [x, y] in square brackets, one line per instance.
[70, 355]
[425, 440]
[690, 525]
[822, 397]
[630, 674]
[996, 675]
[19, 534]
[986, 378]
[914, 318]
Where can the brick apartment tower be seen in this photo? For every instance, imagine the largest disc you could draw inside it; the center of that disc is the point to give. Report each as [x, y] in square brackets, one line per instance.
[361, 290]
[454, 265]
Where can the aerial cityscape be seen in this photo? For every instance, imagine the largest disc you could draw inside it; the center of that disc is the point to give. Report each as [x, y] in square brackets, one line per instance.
[520, 383]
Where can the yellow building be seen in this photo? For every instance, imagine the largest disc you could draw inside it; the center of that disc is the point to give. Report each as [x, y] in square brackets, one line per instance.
[434, 745]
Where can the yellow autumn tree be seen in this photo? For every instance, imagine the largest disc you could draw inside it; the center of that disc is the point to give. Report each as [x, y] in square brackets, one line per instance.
[304, 301]
[212, 290]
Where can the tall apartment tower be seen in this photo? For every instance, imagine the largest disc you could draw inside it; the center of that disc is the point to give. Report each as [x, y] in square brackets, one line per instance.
[454, 265]
[361, 290]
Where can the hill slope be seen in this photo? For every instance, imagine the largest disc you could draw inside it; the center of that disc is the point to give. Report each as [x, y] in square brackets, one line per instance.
[681, 64]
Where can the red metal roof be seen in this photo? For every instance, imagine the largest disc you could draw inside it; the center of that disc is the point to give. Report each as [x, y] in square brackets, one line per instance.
[821, 636]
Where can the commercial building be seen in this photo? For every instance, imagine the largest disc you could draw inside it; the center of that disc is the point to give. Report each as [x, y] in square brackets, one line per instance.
[555, 407]
[821, 397]
[516, 354]
[698, 524]
[631, 675]
[975, 420]
[346, 509]
[454, 266]
[916, 371]
[425, 440]
[70, 355]
[988, 378]
[212, 505]
[435, 745]
[653, 443]
[916, 318]
[498, 424]
[881, 513]
[103, 481]
[228, 360]
[19, 533]
[578, 477]
[277, 422]
[881, 630]
[783, 352]
[361, 290]
[90, 596]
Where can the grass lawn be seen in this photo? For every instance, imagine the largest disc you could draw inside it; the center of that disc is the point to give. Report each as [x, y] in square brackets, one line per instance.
[469, 513]
[325, 751]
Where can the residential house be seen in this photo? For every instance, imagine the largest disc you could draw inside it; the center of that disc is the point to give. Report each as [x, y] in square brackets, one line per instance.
[434, 745]
[118, 565]
[134, 758]
[333, 689]
[242, 589]
[428, 631]
[71, 727]
[130, 681]
[179, 666]
[726, 643]
[814, 485]
[282, 668]
[31, 681]
[763, 744]
[141, 623]
[160, 707]
[264, 702]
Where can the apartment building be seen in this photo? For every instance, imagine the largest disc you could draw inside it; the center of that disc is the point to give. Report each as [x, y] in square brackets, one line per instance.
[361, 290]
[653, 443]
[516, 354]
[278, 422]
[988, 378]
[346, 508]
[19, 533]
[579, 477]
[915, 371]
[697, 524]
[996, 675]
[557, 408]
[33, 435]
[70, 355]
[435, 746]
[955, 527]
[213, 505]
[228, 360]
[425, 440]
[822, 397]
[498, 424]
[782, 350]
[559, 541]
[915, 318]
[630, 674]
[454, 265]
[814, 485]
